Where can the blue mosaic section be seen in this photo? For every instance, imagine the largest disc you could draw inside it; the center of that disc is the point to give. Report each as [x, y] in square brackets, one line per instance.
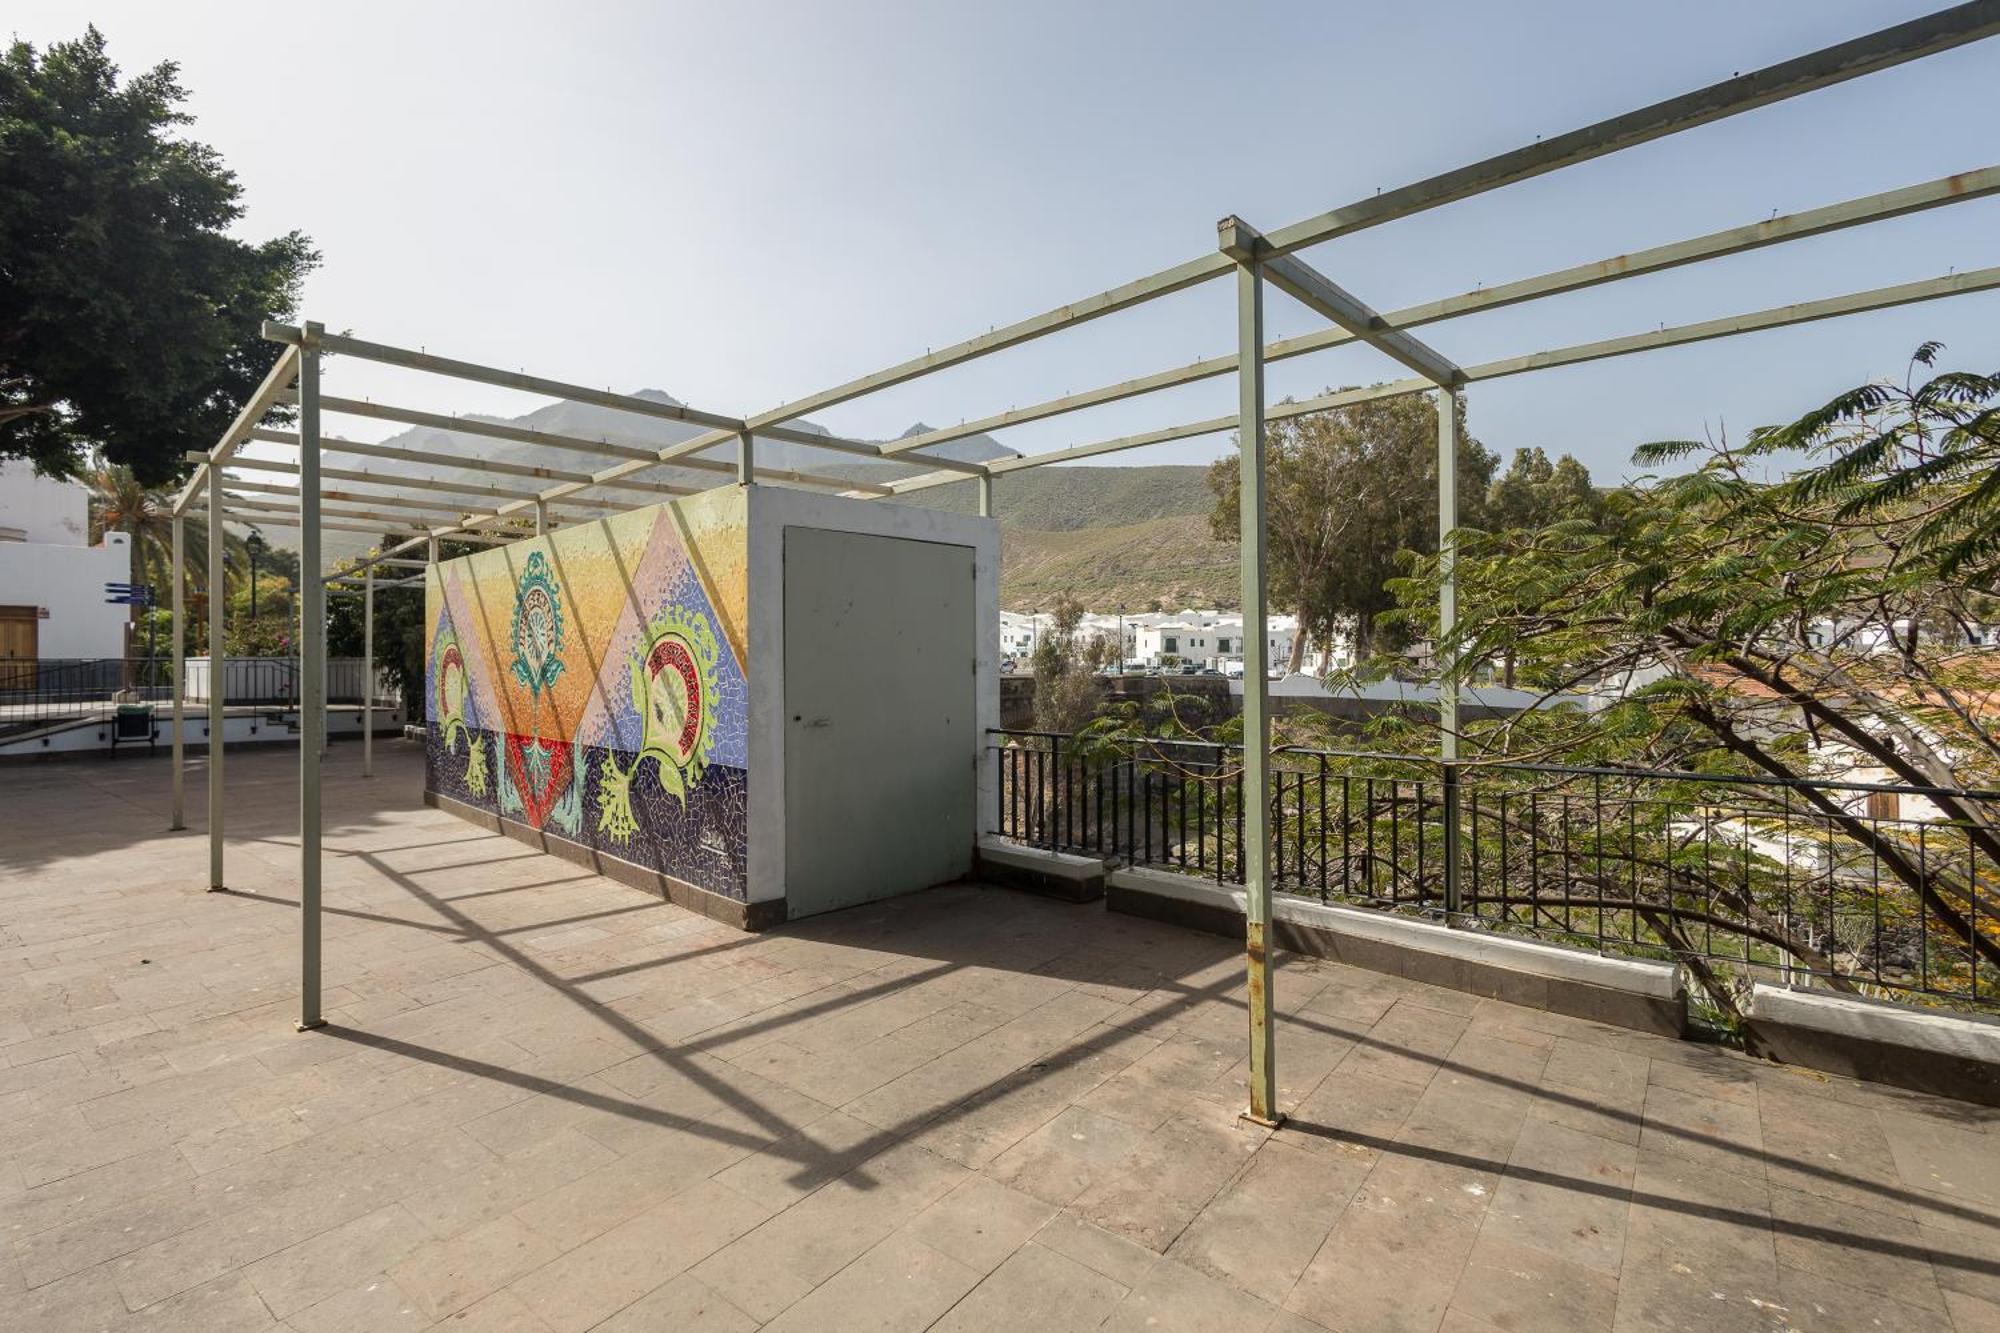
[703, 844]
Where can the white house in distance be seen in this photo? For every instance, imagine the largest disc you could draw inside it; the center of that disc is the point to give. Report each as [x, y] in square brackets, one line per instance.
[51, 578]
[1155, 640]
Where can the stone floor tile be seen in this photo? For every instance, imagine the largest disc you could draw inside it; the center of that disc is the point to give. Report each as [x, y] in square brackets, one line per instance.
[312, 1270]
[1565, 1192]
[1101, 1251]
[981, 1222]
[1036, 1290]
[1516, 1286]
[1174, 1296]
[1817, 1304]
[502, 1312]
[597, 1279]
[683, 1305]
[1969, 1314]
[374, 1303]
[1877, 1252]
[1266, 1225]
[1069, 1154]
[446, 1276]
[901, 1284]
[774, 1266]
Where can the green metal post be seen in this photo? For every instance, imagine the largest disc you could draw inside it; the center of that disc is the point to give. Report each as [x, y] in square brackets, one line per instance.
[218, 679]
[312, 688]
[1447, 472]
[368, 672]
[1241, 242]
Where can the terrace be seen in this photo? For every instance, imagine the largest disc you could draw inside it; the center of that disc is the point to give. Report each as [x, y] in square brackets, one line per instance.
[545, 1100]
[402, 1070]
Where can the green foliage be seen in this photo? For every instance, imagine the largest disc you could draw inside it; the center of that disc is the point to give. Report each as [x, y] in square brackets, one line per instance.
[1065, 666]
[1347, 490]
[128, 313]
[1807, 628]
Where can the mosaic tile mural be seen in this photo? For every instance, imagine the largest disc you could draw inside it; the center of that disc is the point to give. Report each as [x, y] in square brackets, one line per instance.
[592, 684]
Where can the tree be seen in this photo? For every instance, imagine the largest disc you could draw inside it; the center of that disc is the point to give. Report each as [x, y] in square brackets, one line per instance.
[1065, 665]
[1534, 493]
[1346, 491]
[119, 502]
[1832, 622]
[128, 315]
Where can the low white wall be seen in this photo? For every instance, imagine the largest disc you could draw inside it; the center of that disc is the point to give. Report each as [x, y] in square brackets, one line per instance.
[1660, 981]
[260, 676]
[250, 727]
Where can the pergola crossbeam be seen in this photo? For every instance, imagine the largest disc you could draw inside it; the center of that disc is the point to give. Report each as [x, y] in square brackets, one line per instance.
[1804, 312]
[1306, 284]
[1957, 188]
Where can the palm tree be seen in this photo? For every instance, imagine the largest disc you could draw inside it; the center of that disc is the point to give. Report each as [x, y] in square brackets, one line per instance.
[119, 502]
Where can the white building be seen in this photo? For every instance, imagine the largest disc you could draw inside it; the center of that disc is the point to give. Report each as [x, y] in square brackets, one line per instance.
[51, 579]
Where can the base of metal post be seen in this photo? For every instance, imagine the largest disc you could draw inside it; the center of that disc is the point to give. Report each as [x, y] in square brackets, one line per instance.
[1252, 1118]
[303, 1026]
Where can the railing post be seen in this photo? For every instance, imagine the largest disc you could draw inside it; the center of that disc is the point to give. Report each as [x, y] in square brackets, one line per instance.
[1241, 242]
[312, 689]
[1451, 843]
[180, 670]
[1447, 497]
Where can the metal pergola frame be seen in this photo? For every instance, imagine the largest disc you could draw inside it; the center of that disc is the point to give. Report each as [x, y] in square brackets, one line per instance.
[510, 512]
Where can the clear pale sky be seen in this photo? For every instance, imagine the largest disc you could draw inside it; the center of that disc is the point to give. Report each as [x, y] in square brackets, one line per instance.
[741, 203]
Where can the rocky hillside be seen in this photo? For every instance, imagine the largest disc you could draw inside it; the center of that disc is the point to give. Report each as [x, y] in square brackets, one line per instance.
[1109, 535]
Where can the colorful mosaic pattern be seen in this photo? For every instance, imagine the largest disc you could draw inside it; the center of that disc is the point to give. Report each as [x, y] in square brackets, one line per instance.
[592, 684]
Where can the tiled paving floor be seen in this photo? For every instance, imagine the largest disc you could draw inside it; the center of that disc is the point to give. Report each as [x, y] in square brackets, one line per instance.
[548, 1101]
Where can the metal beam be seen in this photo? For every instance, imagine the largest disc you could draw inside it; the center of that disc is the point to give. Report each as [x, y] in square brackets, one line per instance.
[288, 519]
[577, 444]
[1580, 277]
[419, 483]
[1306, 284]
[1879, 50]
[218, 672]
[1805, 312]
[433, 508]
[1834, 64]
[552, 388]
[334, 444]
[1447, 500]
[312, 688]
[368, 673]
[1255, 810]
[266, 393]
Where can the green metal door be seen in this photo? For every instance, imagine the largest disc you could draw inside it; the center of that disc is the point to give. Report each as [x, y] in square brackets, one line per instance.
[881, 745]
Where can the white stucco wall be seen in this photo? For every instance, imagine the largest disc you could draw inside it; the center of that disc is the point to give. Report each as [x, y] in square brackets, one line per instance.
[39, 509]
[68, 581]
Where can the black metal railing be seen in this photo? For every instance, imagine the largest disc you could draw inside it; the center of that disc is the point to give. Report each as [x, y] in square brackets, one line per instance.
[1877, 888]
[43, 692]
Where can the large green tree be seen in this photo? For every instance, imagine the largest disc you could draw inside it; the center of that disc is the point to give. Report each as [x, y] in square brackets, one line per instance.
[1833, 625]
[1347, 490]
[128, 312]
